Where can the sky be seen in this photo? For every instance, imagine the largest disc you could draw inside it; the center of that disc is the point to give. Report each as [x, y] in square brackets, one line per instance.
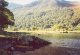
[23, 2]
[74, 0]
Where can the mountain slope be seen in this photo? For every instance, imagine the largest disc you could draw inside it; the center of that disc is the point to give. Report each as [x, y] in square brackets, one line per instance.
[47, 14]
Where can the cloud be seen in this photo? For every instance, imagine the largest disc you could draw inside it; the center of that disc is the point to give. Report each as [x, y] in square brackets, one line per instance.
[74, 0]
[22, 2]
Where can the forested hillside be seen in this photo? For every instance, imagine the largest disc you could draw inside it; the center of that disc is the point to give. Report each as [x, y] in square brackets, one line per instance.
[48, 14]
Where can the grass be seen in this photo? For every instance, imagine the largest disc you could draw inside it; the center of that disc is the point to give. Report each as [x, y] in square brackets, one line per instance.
[53, 34]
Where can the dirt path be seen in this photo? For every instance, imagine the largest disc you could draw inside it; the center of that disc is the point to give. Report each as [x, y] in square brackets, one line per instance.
[48, 50]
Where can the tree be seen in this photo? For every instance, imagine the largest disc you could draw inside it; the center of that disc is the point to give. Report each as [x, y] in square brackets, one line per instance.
[6, 16]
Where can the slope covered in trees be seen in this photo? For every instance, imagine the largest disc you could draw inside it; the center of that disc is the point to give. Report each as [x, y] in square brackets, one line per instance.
[43, 14]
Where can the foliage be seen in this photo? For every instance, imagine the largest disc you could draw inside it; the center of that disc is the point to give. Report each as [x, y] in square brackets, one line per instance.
[6, 16]
[44, 15]
[58, 26]
[34, 28]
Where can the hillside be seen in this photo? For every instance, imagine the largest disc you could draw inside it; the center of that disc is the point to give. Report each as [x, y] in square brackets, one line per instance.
[43, 14]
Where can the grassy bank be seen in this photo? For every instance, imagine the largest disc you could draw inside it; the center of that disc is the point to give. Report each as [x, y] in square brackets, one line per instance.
[53, 34]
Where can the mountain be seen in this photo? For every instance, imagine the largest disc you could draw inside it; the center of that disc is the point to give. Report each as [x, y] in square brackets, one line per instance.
[13, 6]
[44, 14]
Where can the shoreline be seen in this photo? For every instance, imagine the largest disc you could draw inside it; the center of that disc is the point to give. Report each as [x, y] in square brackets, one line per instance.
[42, 31]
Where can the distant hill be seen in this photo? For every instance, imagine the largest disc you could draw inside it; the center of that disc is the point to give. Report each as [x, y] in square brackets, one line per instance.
[44, 14]
[13, 6]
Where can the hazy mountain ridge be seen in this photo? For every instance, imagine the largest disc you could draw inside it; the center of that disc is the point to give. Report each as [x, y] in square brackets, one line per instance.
[13, 6]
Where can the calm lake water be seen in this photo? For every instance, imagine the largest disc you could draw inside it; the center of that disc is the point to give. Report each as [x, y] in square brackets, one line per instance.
[59, 35]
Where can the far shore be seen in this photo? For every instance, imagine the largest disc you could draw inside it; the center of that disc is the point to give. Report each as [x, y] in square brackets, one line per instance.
[43, 31]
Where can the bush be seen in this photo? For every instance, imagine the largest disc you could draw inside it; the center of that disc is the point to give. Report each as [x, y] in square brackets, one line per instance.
[57, 27]
[35, 28]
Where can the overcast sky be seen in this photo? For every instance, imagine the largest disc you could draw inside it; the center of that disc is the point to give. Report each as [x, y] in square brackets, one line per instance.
[75, 0]
[23, 2]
